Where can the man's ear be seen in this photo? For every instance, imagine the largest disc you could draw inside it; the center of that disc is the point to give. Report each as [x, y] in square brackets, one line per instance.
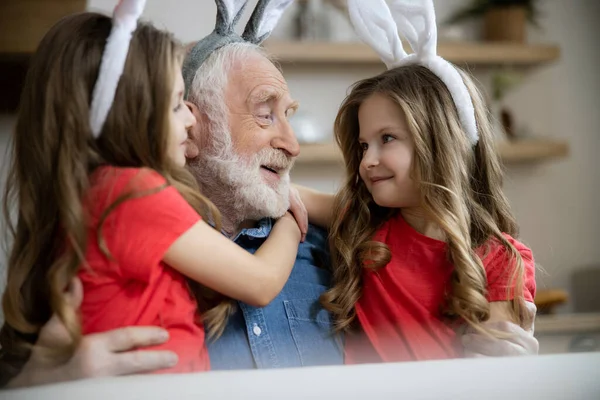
[194, 142]
[193, 109]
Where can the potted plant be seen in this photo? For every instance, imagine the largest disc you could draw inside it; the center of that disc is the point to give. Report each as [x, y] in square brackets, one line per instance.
[503, 20]
[502, 82]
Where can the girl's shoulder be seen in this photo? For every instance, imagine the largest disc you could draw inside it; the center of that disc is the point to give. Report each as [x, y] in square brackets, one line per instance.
[110, 184]
[500, 265]
[120, 179]
[494, 248]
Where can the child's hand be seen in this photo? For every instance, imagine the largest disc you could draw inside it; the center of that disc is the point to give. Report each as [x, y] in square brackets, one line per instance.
[299, 212]
[317, 205]
[520, 342]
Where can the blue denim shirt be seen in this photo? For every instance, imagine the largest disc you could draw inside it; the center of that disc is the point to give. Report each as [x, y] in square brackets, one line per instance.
[293, 330]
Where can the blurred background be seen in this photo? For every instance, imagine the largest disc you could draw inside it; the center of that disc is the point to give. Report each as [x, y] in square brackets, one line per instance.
[537, 60]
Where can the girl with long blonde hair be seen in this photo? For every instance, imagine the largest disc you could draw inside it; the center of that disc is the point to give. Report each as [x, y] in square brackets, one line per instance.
[422, 237]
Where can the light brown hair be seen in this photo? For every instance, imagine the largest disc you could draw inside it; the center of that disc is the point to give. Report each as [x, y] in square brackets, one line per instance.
[54, 153]
[460, 190]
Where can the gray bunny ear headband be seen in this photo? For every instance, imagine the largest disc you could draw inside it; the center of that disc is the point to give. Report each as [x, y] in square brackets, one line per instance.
[378, 24]
[262, 22]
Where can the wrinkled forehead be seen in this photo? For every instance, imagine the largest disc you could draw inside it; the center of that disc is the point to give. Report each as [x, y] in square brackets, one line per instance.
[257, 73]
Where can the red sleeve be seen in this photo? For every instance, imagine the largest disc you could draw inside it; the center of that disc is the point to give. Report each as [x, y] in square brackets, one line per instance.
[140, 230]
[499, 266]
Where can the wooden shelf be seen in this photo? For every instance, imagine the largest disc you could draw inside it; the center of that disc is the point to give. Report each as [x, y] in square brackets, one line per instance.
[473, 53]
[13, 60]
[567, 323]
[532, 150]
[524, 151]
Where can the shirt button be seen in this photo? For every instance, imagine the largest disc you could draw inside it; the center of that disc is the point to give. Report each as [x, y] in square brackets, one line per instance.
[256, 330]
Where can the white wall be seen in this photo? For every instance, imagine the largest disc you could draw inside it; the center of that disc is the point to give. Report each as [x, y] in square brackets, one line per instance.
[556, 202]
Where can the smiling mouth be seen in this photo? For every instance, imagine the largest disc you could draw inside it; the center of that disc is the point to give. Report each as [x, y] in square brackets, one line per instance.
[270, 169]
[272, 175]
[376, 180]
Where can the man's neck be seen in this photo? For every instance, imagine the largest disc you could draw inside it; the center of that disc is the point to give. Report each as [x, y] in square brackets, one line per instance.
[232, 222]
[233, 217]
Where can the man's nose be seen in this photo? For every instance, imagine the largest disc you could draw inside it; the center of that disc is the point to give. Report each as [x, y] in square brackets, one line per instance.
[285, 140]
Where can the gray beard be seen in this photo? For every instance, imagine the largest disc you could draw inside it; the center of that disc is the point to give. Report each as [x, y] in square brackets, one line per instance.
[236, 186]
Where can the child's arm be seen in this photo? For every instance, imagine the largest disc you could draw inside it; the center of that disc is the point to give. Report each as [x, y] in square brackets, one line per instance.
[208, 257]
[318, 205]
[517, 330]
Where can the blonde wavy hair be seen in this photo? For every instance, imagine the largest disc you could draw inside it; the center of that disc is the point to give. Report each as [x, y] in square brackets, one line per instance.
[460, 190]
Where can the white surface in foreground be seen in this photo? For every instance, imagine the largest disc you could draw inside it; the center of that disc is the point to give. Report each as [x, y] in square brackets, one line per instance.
[566, 376]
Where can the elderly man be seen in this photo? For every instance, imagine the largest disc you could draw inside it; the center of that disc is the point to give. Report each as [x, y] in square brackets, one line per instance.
[233, 166]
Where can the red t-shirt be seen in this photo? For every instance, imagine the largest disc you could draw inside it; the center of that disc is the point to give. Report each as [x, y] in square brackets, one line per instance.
[136, 287]
[400, 308]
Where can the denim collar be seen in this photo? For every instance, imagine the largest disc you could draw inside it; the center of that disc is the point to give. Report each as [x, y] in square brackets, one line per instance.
[261, 230]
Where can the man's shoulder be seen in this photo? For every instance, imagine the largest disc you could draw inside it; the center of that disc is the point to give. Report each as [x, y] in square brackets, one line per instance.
[315, 248]
[316, 236]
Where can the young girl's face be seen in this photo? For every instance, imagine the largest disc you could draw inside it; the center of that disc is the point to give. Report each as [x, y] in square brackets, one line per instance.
[181, 120]
[388, 150]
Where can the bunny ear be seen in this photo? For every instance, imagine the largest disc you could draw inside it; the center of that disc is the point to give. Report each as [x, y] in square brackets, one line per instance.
[228, 14]
[407, 31]
[378, 26]
[459, 92]
[125, 18]
[263, 20]
[416, 23]
[128, 11]
[375, 25]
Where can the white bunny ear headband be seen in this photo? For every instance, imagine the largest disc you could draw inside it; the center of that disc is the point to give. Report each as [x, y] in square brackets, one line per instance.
[379, 25]
[125, 18]
[262, 22]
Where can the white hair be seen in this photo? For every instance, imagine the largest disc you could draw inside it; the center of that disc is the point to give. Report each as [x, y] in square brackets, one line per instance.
[232, 183]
